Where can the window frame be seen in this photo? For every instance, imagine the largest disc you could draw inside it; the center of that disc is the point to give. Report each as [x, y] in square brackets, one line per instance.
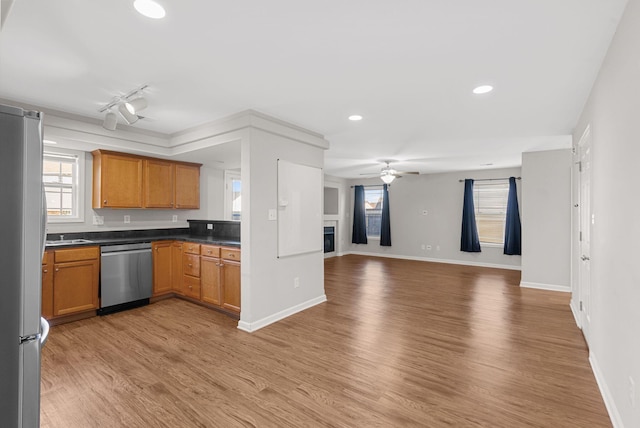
[229, 177]
[477, 189]
[77, 185]
[379, 188]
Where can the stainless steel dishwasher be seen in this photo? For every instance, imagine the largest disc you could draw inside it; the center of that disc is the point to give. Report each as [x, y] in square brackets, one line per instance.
[125, 276]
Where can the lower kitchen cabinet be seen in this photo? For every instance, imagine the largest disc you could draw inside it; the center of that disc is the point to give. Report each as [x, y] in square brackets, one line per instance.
[210, 274]
[231, 285]
[176, 267]
[75, 280]
[47, 285]
[162, 256]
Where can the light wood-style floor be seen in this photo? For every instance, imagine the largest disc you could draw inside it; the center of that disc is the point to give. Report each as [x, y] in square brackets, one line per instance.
[398, 344]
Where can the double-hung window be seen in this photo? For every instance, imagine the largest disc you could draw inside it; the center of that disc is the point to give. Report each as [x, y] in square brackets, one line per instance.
[490, 200]
[373, 210]
[61, 175]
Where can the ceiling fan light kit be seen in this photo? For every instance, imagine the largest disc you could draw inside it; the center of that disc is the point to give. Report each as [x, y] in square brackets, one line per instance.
[128, 106]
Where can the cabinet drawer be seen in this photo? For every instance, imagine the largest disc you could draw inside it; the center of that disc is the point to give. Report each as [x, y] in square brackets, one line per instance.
[230, 254]
[191, 248]
[191, 286]
[210, 251]
[76, 254]
[191, 265]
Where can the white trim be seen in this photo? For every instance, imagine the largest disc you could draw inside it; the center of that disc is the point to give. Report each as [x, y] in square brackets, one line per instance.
[609, 402]
[428, 259]
[550, 287]
[250, 327]
[78, 187]
[576, 314]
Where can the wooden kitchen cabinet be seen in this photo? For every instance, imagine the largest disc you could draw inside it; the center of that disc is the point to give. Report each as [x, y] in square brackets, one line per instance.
[47, 285]
[210, 271]
[187, 186]
[176, 267]
[162, 257]
[231, 285]
[75, 280]
[158, 187]
[122, 180]
[191, 270]
[117, 180]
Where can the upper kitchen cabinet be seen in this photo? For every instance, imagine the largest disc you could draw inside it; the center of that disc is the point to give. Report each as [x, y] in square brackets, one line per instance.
[187, 186]
[122, 180]
[117, 180]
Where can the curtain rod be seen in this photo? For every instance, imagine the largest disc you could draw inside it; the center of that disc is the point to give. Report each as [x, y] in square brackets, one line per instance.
[372, 185]
[490, 179]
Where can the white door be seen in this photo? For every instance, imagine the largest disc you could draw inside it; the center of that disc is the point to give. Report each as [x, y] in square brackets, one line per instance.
[586, 222]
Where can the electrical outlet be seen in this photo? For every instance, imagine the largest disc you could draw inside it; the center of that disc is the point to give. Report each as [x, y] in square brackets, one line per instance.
[428, 247]
[127, 219]
[632, 392]
[425, 212]
[174, 218]
[98, 220]
[209, 226]
[296, 282]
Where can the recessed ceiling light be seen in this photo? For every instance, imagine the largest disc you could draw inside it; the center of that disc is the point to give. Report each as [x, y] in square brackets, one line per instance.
[355, 117]
[149, 8]
[483, 89]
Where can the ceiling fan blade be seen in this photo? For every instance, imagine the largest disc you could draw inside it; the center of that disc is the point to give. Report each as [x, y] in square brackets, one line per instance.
[407, 173]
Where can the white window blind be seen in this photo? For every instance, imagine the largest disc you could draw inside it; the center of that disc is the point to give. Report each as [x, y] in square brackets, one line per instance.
[490, 200]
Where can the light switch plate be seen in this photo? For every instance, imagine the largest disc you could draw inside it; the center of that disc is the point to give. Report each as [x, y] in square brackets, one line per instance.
[127, 219]
[273, 214]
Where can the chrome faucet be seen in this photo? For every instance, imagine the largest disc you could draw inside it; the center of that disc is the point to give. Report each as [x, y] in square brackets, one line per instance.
[62, 237]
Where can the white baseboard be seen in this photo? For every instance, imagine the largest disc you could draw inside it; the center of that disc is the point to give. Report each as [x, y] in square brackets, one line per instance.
[550, 287]
[428, 259]
[576, 314]
[609, 403]
[256, 325]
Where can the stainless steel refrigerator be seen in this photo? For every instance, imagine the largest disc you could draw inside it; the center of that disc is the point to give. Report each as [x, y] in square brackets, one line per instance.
[23, 225]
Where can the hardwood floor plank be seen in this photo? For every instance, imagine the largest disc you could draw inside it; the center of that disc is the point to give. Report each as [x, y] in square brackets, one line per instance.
[398, 344]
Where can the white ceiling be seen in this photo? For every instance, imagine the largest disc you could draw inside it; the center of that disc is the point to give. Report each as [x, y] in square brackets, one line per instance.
[407, 66]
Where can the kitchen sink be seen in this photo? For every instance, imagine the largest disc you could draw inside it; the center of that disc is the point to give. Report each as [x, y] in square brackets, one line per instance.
[69, 242]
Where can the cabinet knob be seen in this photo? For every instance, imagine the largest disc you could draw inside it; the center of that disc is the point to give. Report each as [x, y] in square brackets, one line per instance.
[57, 270]
[105, 202]
[157, 249]
[44, 271]
[190, 288]
[190, 265]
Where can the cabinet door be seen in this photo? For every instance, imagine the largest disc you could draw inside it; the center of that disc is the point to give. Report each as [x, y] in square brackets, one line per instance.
[158, 183]
[210, 280]
[176, 267]
[187, 186]
[47, 285]
[161, 268]
[121, 178]
[231, 286]
[75, 287]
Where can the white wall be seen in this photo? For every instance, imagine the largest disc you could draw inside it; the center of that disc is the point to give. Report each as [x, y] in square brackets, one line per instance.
[613, 111]
[268, 292]
[545, 212]
[441, 195]
[211, 207]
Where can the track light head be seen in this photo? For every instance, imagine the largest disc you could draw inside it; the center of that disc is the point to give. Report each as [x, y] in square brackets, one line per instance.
[128, 116]
[110, 121]
[137, 104]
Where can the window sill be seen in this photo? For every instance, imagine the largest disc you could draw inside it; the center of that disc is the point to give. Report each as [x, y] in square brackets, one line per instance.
[51, 220]
[491, 245]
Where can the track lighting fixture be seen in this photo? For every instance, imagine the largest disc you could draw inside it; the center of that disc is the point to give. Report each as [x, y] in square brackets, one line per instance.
[128, 106]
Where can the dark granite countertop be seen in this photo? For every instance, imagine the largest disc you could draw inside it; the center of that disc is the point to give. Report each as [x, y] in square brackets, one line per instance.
[69, 240]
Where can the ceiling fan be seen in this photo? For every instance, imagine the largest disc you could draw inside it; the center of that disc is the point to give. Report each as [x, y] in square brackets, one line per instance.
[388, 174]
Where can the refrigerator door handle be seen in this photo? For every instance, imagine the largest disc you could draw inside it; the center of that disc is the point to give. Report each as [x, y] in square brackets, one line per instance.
[44, 334]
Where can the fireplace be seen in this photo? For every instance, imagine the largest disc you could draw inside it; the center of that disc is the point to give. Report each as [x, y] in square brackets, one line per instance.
[329, 239]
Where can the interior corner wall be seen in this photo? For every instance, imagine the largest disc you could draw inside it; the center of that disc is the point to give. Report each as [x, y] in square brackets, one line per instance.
[612, 112]
[441, 196]
[268, 291]
[546, 219]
